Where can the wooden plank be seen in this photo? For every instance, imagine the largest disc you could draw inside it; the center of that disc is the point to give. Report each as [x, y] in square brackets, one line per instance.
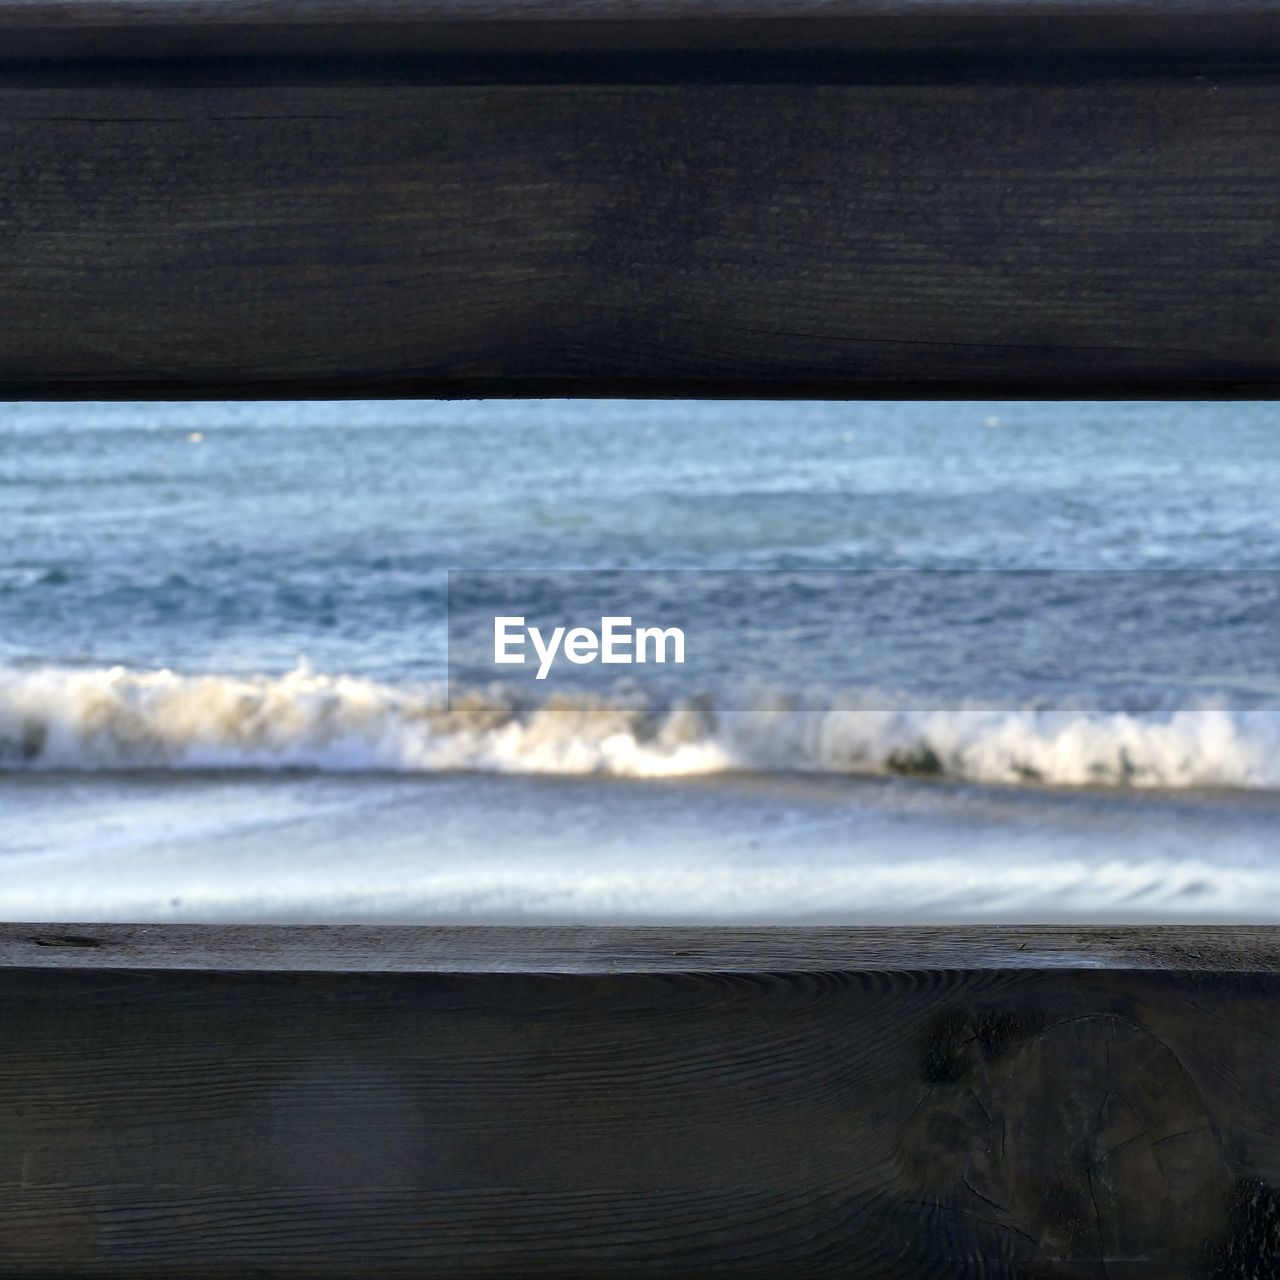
[585, 949]
[1036, 199]
[1027, 1103]
[97, 29]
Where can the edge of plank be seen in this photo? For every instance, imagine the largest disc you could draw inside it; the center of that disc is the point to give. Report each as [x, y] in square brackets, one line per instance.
[632, 950]
[114, 29]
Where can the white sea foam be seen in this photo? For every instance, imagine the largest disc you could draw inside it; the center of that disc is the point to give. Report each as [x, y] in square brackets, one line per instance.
[120, 719]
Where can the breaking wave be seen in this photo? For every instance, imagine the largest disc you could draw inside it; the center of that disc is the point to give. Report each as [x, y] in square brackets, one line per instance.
[120, 719]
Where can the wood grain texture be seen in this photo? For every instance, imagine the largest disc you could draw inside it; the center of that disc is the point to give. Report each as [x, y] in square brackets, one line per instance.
[571, 1103]
[584, 949]
[98, 29]
[696, 228]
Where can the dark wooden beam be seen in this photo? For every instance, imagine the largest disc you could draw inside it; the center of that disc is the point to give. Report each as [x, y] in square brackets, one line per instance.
[903, 1104]
[778, 197]
[1140, 29]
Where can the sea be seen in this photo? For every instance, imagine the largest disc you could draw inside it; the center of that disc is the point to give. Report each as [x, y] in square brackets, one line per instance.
[951, 662]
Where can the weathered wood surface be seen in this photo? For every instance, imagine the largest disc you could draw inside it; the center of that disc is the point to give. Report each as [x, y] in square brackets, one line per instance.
[96, 29]
[415, 198]
[896, 1104]
[584, 949]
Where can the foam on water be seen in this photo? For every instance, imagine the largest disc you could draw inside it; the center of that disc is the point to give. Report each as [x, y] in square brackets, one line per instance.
[121, 719]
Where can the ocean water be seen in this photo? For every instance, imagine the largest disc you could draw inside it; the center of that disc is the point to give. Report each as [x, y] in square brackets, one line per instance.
[954, 662]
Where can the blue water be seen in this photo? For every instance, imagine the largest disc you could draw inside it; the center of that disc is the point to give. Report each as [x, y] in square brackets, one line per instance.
[223, 662]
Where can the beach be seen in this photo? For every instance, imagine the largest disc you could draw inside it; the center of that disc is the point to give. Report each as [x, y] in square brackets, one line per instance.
[960, 662]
